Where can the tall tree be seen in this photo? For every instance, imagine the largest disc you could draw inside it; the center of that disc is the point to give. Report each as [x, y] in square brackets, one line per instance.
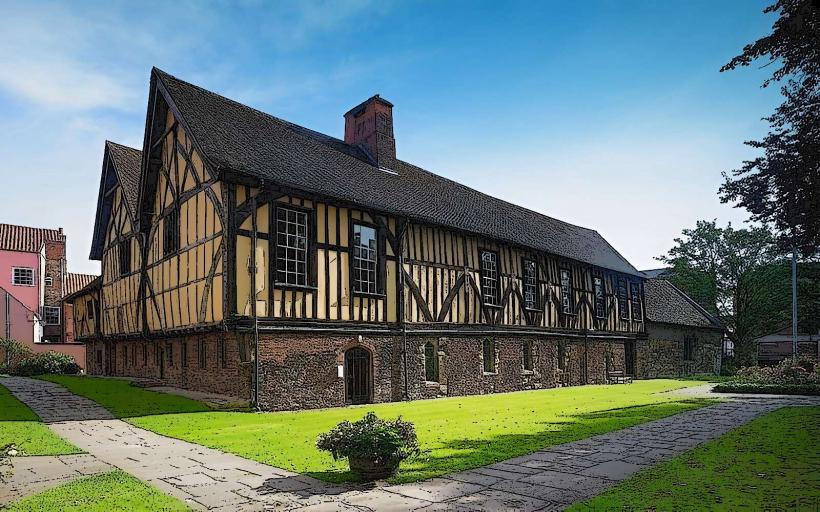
[714, 265]
[781, 187]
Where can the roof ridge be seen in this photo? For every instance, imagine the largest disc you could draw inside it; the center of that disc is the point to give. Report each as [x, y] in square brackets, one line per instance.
[290, 125]
[57, 230]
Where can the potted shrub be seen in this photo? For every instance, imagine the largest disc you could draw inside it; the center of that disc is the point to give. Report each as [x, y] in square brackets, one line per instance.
[373, 447]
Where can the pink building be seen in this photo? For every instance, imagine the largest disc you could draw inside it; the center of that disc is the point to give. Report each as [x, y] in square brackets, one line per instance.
[33, 282]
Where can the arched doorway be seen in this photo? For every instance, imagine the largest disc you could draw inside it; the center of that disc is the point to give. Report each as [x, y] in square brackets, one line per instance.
[357, 376]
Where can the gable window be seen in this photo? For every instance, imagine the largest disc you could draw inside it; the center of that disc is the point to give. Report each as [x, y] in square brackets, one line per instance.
[170, 232]
[203, 356]
[489, 355]
[22, 276]
[365, 259]
[623, 303]
[49, 281]
[566, 291]
[689, 348]
[530, 282]
[291, 246]
[600, 304]
[89, 309]
[635, 292]
[125, 257]
[527, 349]
[430, 362]
[489, 277]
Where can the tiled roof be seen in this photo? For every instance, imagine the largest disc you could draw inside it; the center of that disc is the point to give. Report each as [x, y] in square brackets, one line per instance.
[127, 161]
[26, 239]
[656, 272]
[667, 304]
[76, 282]
[237, 138]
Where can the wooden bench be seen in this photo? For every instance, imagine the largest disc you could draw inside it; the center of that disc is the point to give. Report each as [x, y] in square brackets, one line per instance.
[618, 377]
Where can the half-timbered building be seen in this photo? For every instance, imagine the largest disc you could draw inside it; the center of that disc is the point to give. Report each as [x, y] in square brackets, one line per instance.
[247, 255]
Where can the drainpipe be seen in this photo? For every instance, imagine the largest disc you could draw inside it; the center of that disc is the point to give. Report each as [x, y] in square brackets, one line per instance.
[405, 393]
[252, 302]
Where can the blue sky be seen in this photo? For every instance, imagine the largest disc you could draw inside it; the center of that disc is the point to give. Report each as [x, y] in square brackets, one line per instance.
[611, 115]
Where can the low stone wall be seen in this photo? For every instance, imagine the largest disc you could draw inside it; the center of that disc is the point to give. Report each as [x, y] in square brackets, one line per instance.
[302, 370]
[177, 362]
[661, 354]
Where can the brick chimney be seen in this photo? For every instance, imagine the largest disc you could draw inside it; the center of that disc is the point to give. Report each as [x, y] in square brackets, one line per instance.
[370, 124]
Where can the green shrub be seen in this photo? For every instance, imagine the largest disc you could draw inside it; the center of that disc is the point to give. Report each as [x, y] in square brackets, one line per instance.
[45, 363]
[768, 389]
[371, 438]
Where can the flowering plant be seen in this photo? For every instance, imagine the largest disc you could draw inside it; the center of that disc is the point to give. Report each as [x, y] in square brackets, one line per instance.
[787, 372]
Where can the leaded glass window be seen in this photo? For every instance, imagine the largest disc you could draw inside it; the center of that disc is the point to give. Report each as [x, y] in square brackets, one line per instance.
[635, 292]
[489, 277]
[488, 348]
[623, 302]
[600, 300]
[566, 290]
[527, 349]
[530, 281]
[291, 246]
[365, 259]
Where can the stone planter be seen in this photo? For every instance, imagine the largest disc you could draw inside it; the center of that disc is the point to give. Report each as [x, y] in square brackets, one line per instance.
[369, 470]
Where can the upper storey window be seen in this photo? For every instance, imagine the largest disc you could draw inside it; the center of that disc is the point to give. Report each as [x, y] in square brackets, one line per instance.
[22, 276]
[600, 304]
[365, 259]
[291, 246]
[51, 315]
[635, 292]
[623, 303]
[566, 290]
[489, 277]
[170, 233]
[125, 257]
[530, 282]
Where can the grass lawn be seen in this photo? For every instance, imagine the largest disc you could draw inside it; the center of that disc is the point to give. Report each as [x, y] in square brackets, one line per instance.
[106, 492]
[769, 464]
[21, 427]
[454, 433]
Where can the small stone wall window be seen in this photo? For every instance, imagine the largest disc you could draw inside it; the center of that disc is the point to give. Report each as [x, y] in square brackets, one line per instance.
[567, 300]
[144, 355]
[489, 278]
[431, 362]
[600, 300]
[635, 292]
[49, 281]
[124, 355]
[530, 282]
[689, 343]
[488, 347]
[22, 276]
[51, 315]
[169, 349]
[527, 349]
[243, 348]
[203, 356]
[222, 359]
[562, 355]
[184, 355]
[623, 300]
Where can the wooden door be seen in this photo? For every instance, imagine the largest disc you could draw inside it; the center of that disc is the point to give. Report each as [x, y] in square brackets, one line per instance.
[629, 358]
[357, 376]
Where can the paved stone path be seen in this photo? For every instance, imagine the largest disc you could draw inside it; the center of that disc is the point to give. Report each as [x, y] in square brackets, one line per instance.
[34, 474]
[548, 479]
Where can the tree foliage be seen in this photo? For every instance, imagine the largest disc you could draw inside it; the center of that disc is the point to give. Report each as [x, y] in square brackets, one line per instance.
[781, 187]
[713, 265]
